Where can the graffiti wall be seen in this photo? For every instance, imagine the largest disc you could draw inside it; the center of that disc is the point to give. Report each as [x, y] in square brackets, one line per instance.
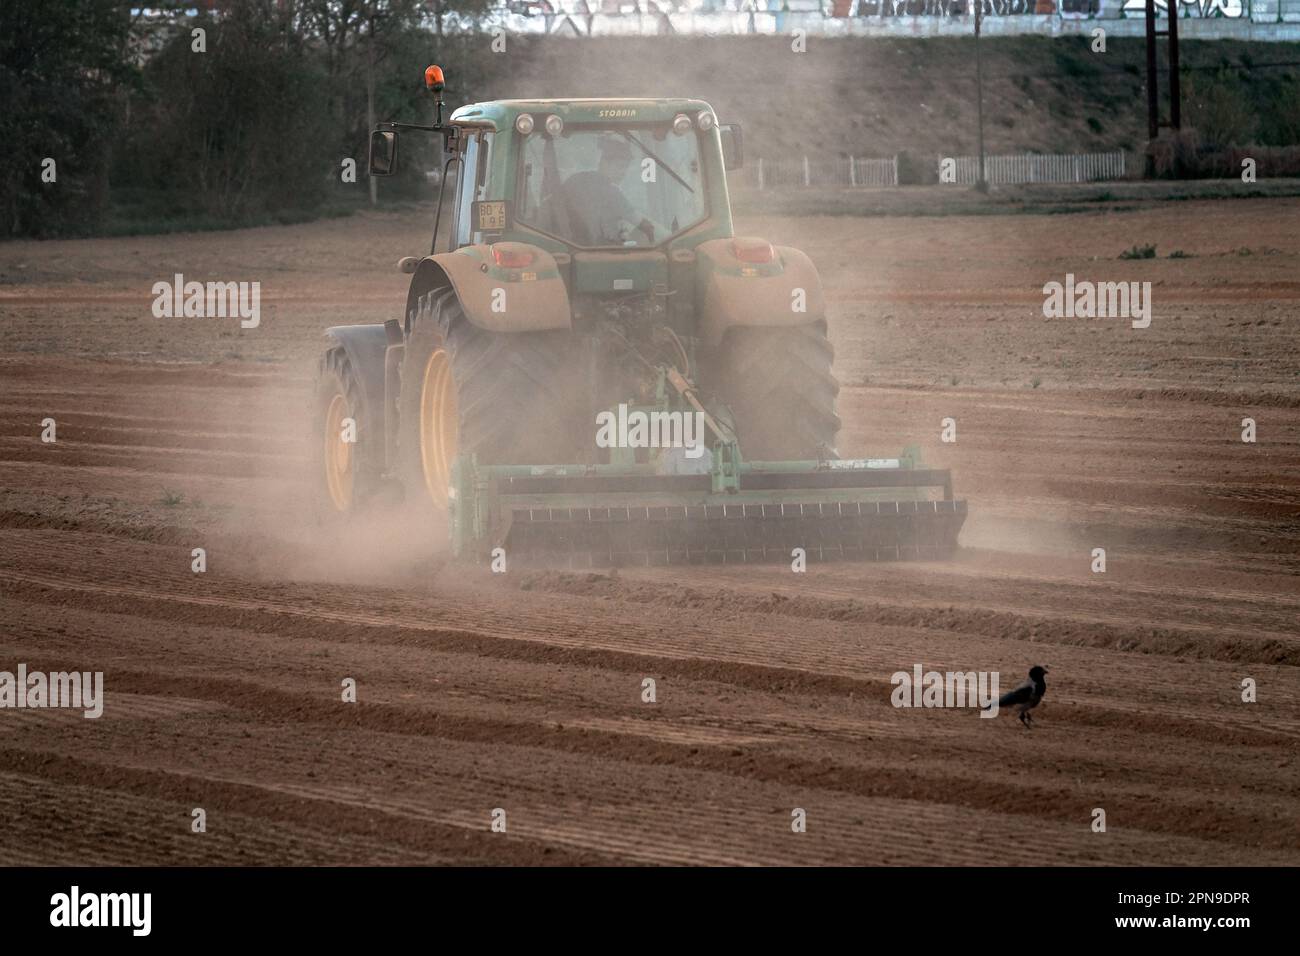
[959, 8]
[836, 9]
[1069, 9]
[1233, 9]
[1205, 19]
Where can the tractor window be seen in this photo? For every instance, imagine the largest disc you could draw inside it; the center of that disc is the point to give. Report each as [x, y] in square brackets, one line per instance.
[632, 186]
[472, 185]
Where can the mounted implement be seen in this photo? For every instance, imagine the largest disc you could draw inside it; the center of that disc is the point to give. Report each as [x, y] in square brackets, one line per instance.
[578, 372]
[603, 515]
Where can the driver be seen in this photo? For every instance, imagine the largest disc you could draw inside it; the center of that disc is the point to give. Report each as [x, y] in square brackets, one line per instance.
[601, 213]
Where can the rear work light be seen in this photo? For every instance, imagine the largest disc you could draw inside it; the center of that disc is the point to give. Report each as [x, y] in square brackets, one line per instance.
[753, 250]
[512, 258]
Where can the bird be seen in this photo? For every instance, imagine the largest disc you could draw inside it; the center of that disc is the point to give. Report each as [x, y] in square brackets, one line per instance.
[1026, 697]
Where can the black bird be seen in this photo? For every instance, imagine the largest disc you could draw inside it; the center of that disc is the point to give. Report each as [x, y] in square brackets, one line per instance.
[1026, 697]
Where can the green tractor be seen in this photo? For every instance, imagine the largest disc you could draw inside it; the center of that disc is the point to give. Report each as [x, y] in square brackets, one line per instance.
[575, 377]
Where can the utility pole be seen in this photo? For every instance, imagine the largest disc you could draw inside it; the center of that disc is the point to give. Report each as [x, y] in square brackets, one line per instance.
[1153, 79]
[1175, 94]
[980, 183]
[370, 101]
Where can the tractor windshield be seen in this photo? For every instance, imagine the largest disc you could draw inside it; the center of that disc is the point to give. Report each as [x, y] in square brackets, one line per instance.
[631, 186]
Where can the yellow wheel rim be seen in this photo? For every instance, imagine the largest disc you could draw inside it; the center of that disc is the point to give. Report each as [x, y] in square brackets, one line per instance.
[338, 454]
[438, 425]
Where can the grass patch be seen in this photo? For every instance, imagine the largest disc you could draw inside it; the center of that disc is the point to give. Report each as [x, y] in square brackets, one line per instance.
[1139, 252]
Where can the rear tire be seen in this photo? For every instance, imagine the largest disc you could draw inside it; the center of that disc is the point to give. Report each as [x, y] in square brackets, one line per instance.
[505, 397]
[346, 475]
[781, 391]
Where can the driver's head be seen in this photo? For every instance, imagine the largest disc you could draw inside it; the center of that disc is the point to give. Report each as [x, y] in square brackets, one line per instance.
[615, 155]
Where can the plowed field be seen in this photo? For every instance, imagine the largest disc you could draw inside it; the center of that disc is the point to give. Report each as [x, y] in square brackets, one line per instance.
[523, 691]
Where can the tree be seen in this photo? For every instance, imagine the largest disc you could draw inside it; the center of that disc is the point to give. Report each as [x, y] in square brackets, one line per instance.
[240, 129]
[61, 65]
[358, 36]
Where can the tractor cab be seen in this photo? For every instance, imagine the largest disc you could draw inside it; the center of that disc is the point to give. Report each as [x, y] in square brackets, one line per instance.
[596, 174]
[583, 174]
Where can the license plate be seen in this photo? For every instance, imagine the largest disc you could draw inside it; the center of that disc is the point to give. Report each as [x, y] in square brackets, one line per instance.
[490, 215]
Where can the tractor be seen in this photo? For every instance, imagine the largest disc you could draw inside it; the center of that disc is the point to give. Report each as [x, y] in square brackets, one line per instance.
[576, 373]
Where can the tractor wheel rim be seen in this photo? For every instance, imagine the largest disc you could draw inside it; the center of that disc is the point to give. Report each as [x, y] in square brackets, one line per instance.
[338, 454]
[438, 426]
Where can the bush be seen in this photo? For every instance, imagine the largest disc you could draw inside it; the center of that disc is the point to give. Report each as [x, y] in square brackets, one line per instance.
[61, 62]
[1280, 120]
[1219, 108]
[1178, 157]
[239, 129]
[1175, 155]
[1139, 252]
[914, 171]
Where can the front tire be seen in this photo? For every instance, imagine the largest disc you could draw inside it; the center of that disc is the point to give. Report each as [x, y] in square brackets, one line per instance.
[345, 469]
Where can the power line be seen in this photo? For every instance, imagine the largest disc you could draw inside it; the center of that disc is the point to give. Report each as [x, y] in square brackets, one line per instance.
[1136, 71]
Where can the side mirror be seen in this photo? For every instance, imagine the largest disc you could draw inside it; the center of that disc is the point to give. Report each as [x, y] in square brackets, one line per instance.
[383, 152]
[733, 146]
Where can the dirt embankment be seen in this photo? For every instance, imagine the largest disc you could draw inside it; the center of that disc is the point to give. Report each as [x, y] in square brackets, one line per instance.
[882, 96]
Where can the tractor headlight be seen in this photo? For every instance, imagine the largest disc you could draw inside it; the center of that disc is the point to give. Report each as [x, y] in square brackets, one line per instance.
[681, 124]
[704, 120]
[554, 125]
[524, 124]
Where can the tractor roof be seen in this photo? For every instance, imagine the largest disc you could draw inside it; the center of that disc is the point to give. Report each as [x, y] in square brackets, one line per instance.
[502, 113]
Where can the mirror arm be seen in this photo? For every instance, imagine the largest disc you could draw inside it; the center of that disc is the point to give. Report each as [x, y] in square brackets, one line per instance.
[442, 191]
[451, 133]
[437, 128]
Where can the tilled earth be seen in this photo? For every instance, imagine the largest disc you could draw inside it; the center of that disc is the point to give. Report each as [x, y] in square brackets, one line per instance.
[523, 691]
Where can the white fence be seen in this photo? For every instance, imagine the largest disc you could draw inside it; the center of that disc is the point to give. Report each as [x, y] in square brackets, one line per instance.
[783, 173]
[1038, 168]
[799, 172]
